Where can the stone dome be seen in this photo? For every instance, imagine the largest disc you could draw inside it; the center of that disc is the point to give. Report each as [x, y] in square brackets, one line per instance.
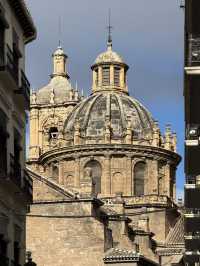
[109, 56]
[61, 89]
[117, 109]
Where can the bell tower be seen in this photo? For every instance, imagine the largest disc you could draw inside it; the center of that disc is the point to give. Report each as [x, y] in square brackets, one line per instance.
[49, 107]
[59, 63]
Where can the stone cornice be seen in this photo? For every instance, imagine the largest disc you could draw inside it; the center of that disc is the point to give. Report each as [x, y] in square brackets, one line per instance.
[24, 17]
[113, 149]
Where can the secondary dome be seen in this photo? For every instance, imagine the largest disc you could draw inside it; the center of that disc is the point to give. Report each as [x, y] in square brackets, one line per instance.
[59, 90]
[109, 56]
[60, 87]
[116, 110]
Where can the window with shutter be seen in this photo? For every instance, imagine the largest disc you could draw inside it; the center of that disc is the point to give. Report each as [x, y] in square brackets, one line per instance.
[116, 76]
[106, 76]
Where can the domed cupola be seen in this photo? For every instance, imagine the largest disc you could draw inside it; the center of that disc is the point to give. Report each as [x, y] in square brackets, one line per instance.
[109, 71]
[109, 114]
[59, 90]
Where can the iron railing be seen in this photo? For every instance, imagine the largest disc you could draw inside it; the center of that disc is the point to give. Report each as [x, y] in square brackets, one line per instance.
[9, 62]
[15, 171]
[25, 86]
[194, 50]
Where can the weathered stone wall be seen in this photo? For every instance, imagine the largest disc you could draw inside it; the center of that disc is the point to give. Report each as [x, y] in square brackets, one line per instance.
[65, 241]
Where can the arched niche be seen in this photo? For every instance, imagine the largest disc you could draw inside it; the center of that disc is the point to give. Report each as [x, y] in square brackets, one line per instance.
[69, 181]
[55, 171]
[93, 173]
[139, 172]
[117, 183]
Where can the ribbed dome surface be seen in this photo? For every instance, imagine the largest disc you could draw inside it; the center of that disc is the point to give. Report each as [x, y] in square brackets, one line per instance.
[61, 88]
[94, 112]
[108, 57]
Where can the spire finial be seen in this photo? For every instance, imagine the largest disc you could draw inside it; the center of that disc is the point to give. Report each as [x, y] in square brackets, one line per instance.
[109, 43]
[59, 32]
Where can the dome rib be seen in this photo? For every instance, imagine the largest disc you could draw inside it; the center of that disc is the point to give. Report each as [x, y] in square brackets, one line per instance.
[94, 112]
[89, 110]
[123, 119]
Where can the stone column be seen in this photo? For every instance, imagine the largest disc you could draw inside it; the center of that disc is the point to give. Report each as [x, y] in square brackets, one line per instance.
[61, 173]
[167, 179]
[94, 79]
[151, 187]
[112, 75]
[122, 78]
[129, 176]
[77, 172]
[100, 75]
[34, 131]
[106, 178]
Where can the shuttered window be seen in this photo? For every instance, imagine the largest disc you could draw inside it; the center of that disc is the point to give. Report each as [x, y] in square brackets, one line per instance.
[116, 76]
[106, 76]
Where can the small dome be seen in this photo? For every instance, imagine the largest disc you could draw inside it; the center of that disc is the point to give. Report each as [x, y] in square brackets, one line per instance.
[119, 109]
[59, 51]
[109, 57]
[61, 89]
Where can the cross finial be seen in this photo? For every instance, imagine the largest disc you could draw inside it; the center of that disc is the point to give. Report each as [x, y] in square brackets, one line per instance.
[109, 29]
[59, 32]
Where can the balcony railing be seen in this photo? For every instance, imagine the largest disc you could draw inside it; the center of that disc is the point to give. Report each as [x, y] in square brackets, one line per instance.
[28, 185]
[194, 50]
[15, 171]
[4, 261]
[8, 62]
[25, 87]
[13, 263]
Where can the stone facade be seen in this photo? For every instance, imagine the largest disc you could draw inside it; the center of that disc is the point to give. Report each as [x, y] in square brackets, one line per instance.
[16, 29]
[102, 172]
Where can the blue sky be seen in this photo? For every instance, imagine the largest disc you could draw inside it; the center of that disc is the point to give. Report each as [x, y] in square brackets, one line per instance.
[148, 34]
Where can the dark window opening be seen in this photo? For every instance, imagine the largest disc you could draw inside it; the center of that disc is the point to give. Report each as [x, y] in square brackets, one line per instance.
[55, 171]
[3, 144]
[139, 176]
[53, 133]
[116, 76]
[106, 76]
[16, 55]
[17, 155]
[16, 253]
[97, 77]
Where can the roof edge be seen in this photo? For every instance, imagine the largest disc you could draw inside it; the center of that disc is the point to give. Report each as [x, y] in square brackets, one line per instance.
[25, 19]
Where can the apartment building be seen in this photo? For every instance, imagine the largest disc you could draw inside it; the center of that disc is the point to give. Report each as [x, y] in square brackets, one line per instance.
[16, 30]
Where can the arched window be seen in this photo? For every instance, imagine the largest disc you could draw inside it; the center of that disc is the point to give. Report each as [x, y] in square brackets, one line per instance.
[93, 172]
[55, 171]
[53, 133]
[139, 176]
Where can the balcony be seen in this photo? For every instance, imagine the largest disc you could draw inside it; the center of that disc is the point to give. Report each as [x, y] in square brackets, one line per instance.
[4, 261]
[28, 186]
[15, 171]
[194, 50]
[24, 90]
[13, 263]
[9, 66]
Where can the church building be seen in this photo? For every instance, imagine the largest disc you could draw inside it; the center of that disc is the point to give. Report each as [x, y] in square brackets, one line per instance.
[104, 178]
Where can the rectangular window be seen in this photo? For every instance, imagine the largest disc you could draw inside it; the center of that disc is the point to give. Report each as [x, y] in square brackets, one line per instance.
[117, 76]
[106, 76]
[3, 144]
[17, 155]
[16, 55]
